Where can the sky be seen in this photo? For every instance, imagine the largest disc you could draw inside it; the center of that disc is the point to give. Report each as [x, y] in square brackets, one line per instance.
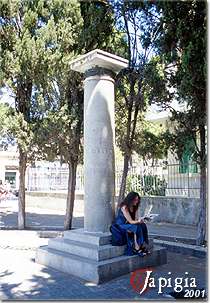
[5, 97]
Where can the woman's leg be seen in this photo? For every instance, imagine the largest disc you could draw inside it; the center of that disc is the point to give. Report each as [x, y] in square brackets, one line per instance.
[139, 236]
[145, 232]
[137, 247]
[145, 237]
[132, 230]
[136, 230]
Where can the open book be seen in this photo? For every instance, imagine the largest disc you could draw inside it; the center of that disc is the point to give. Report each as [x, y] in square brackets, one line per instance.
[148, 216]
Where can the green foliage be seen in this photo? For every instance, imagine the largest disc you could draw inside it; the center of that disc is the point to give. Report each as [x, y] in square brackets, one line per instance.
[141, 83]
[65, 120]
[99, 29]
[151, 146]
[156, 81]
[37, 39]
[34, 37]
[6, 137]
[154, 186]
[182, 48]
[129, 104]
[133, 183]
[147, 185]
[150, 141]
[138, 20]
[61, 130]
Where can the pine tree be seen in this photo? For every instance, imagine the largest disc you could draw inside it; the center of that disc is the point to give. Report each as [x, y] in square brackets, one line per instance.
[35, 37]
[182, 46]
[63, 125]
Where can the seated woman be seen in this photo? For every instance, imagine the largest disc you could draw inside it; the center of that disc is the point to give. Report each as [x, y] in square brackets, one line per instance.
[137, 234]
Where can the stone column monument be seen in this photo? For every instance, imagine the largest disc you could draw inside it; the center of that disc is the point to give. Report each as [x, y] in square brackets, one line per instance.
[99, 69]
[88, 253]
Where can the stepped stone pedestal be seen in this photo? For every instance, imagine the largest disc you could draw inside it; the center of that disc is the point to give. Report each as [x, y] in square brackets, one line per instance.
[88, 253]
[93, 258]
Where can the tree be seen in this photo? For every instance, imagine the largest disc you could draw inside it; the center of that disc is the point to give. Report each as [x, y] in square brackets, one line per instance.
[34, 35]
[6, 139]
[137, 20]
[182, 49]
[63, 126]
[152, 143]
[98, 32]
[61, 132]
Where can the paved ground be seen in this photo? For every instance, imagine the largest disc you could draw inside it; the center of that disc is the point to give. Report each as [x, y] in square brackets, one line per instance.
[21, 278]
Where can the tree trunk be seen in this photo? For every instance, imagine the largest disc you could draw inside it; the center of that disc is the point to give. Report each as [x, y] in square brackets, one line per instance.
[70, 195]
[21, 195]
[201, 232]
[123, 180]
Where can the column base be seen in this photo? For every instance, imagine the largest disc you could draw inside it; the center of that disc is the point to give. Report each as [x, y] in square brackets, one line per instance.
[91, 257]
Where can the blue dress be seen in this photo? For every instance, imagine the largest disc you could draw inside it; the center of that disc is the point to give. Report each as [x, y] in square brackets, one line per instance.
[139, 229]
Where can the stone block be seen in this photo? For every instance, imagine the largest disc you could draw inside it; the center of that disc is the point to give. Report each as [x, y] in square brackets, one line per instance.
[91, 251]
[88, 237]
[98, 271]
[88, 249]
[92, 257]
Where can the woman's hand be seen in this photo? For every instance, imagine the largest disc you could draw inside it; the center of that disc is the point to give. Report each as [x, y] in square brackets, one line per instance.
[140, 220]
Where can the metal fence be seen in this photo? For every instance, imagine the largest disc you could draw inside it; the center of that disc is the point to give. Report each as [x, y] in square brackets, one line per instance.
[172, 179]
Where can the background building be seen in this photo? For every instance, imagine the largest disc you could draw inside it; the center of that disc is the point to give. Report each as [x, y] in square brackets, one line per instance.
[9, 167]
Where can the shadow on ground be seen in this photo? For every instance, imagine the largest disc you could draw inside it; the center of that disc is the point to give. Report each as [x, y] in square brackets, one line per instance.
[6, 289]
[57, 286]
[9, 220]
[52, 284]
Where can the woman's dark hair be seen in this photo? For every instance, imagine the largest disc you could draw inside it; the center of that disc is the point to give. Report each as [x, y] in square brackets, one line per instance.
[128, 202]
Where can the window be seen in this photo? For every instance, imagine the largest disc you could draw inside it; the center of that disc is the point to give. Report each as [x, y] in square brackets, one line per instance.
[11, 178]
[186, 163]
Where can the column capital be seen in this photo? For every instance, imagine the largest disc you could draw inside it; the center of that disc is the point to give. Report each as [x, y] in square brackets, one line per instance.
[98, 59]
[99, 71]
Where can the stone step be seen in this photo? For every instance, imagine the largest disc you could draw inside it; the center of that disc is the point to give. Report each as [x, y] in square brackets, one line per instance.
[90, 251]
[173, 238]
[86, 237]
[185, 249]
[98, 271]
[98, 239]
